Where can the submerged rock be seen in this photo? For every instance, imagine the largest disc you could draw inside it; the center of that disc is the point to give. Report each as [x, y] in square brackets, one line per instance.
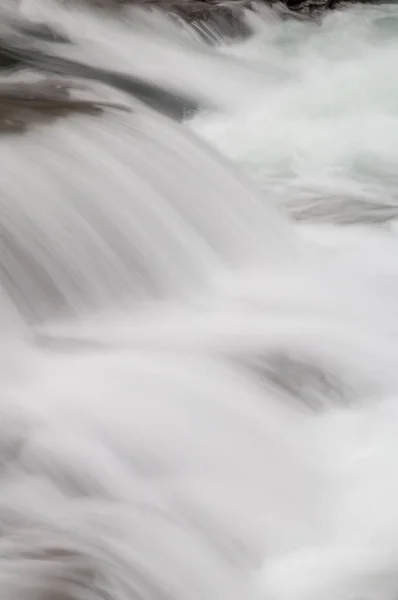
[229, 15]
[171, 104]
[23, 104]
[20, 42]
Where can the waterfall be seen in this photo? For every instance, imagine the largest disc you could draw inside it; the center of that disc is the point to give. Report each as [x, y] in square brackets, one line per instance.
[199, 319]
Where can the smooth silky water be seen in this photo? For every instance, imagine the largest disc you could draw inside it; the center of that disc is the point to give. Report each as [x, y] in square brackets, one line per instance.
[199, 324]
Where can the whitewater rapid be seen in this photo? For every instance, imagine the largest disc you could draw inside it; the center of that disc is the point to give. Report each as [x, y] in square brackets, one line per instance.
[199, 321]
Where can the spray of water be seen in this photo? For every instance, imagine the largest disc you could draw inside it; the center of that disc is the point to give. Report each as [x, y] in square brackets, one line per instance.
[198, 376]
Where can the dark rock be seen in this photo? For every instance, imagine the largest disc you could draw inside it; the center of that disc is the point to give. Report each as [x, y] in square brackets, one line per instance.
[222, 18]
[227, 15]
[172, 104]
[23, 104]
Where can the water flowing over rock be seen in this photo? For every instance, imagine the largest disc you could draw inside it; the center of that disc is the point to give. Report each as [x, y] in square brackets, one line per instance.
[198, 314]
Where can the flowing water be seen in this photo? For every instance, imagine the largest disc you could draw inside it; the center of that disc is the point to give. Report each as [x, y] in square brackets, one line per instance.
[199, 324]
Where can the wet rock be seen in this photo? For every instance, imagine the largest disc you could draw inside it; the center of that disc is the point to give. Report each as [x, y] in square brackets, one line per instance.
[228, 16]
[171, 104]
[23, 104]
